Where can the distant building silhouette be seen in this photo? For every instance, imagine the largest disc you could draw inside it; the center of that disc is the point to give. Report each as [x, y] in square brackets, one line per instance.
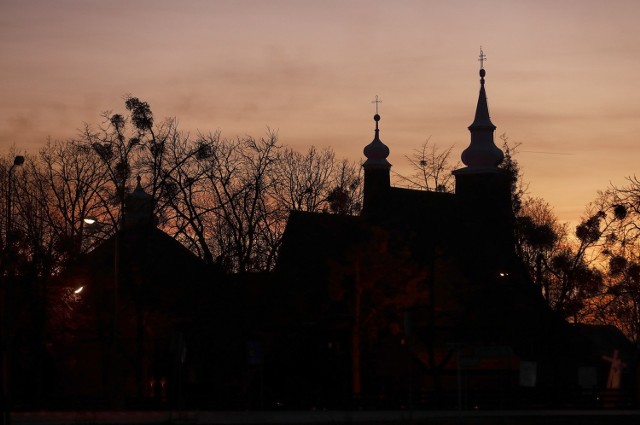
[147, 287]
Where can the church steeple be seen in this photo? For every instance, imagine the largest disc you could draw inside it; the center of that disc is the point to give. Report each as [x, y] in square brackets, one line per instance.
[377, 179]
[483, 189]
[482, 151]
[376, 151]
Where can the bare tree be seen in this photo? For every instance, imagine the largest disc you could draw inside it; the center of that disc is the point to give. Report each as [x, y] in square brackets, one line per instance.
[316, 182]
[619, 302]
[538, 236]
[565, 266]
[304, 180]
[562, 264]
[72, 186]
[187, 205]
[239, 179]
[346, 195]
[432, 169]
[519, 187]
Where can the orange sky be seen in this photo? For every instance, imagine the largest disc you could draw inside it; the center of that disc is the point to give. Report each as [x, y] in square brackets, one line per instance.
[561, 76]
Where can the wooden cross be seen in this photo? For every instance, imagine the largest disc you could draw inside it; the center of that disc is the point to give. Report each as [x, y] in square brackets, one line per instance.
[482, 58]
[376, 102]
[615, 370]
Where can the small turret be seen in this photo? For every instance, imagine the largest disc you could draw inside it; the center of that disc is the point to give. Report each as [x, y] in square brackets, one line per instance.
[139, 206]
[377, 179]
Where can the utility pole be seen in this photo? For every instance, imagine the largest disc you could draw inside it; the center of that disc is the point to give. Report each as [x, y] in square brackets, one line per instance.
[7, 328]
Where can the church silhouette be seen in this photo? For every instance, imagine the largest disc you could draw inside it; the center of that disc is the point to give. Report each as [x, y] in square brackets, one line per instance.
[420, 301]
[425, 299]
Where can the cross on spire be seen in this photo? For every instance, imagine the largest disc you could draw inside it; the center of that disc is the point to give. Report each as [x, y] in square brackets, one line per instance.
[376, 101]
[482, 58]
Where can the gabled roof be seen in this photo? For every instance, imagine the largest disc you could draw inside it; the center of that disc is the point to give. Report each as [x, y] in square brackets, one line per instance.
[416, 206]
[152, 248]
[606, 339]
[313, 236]
[146, 256]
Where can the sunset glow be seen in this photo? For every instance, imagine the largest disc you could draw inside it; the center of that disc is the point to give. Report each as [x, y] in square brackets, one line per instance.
[561, 76]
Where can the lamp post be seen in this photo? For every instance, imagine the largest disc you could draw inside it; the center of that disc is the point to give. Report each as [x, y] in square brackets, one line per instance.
[111, 367]
[6, 316]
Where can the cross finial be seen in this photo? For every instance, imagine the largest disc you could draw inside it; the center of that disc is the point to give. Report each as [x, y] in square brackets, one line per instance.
[482, 58]
[376, 101]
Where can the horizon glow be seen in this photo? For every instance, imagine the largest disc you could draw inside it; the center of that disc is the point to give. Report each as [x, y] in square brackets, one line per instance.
[560, 76]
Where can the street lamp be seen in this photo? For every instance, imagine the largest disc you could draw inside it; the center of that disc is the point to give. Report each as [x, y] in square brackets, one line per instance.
[6, 329]
[91, 224]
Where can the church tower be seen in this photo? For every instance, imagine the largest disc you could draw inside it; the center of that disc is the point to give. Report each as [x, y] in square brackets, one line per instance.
[377, 179]
[484, 189]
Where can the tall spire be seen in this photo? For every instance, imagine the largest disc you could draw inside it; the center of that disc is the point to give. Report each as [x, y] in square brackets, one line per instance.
[482, 151]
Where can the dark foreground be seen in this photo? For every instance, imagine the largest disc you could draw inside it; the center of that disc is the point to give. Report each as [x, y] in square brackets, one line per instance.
[538, 417]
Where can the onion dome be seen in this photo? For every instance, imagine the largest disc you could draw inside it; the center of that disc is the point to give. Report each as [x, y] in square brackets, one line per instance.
[376, 151]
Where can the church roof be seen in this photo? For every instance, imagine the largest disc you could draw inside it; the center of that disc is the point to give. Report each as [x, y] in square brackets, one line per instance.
[146, 253]
[606, 339]
[415, 206]
[315, 236]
